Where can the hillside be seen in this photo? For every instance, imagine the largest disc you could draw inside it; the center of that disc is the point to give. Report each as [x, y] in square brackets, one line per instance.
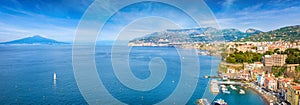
[288, 33]
[34, 40]
[194, 35]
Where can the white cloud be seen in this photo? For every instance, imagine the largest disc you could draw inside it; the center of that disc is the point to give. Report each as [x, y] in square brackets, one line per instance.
[227, 4]
[253, 17]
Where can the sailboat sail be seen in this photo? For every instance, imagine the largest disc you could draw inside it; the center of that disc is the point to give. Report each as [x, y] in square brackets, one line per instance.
[54, 76]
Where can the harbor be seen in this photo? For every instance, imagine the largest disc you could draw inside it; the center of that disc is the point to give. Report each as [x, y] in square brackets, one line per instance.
[214, 86]
[226, 89]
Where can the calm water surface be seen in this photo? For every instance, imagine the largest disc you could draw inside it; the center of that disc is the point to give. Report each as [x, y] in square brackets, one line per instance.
[26, 76]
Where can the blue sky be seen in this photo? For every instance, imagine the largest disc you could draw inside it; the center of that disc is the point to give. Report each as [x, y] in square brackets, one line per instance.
[58, 19]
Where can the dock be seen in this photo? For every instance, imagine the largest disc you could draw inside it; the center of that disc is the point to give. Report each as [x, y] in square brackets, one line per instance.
[214, 87]
[210, 76]
[230, 83]
[214, 84]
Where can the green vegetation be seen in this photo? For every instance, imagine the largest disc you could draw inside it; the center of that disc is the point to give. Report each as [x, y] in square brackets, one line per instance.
[278, 71]
[297, 74]
[297, 69]
[297, 80]
[222, 69]
[289, 33]
[240, 57]
[293, 56]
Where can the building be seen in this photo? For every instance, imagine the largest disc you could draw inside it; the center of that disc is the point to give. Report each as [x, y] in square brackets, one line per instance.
[291, 67]
[292, 94]
[258, 65]
[260, 79]
[267, 60]
[245, 75]
[270, 83]
[282, 86]
[278, 59]
[274, 60]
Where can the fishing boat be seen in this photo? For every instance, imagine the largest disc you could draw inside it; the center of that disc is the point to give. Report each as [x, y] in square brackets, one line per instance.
[232, 87]
[242, 91]
[54, 76]
[220, 102]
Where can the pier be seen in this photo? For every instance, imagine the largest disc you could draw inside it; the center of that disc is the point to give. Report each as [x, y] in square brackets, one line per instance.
[210, 76]
[214, 87]
[214, 84]
[230, 83]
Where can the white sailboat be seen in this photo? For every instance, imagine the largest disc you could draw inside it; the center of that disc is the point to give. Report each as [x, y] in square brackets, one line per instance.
[54, 76]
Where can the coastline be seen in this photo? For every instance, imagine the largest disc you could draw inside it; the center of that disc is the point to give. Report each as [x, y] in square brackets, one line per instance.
[264, 96]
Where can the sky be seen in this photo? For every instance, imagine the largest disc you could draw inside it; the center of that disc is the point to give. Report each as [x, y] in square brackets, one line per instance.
[58, 19]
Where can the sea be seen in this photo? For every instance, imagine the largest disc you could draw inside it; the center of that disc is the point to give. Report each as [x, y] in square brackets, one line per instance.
[26, 76]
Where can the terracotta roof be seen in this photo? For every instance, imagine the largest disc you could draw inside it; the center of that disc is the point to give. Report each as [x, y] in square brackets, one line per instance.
[269, 78]
[257, 62]
[258, 71]
[296, 87]
[287, 79]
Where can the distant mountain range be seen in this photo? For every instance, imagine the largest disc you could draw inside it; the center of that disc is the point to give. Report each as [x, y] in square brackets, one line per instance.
[288, 33]
[34, 40]
[212, 34]
[208, 34]
[195, 35]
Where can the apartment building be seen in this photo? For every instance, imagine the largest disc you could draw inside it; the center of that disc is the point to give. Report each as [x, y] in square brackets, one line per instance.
[292, 94]
[274, 60]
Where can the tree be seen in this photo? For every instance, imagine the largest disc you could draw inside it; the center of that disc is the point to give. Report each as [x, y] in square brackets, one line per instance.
[277, 50]
[230, 60]
[269, 53]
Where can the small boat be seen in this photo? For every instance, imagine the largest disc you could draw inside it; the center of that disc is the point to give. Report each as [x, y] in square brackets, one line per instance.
[242, 91]
[232, 87]
[226, 91]
[220, 102]
[54, 76]
[223, 86]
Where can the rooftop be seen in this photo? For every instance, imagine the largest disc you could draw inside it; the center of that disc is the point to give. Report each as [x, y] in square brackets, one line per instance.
[296, 87]
[267, 55]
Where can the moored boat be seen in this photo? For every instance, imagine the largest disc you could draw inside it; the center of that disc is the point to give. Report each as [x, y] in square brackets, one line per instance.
[226, 91]
[220, 102]
[232, 87]
[242, 91]
[223, 86]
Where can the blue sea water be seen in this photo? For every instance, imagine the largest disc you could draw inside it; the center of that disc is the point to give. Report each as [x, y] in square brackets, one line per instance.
[26, 76]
